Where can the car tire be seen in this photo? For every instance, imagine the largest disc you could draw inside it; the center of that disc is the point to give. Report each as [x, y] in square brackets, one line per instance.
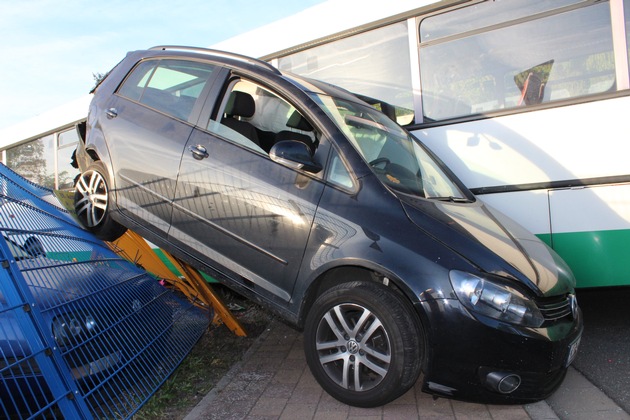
[92, 203]
[363, 332]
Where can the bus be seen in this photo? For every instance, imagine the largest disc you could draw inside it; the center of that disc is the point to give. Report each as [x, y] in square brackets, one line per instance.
[41, 148]
[522, 99]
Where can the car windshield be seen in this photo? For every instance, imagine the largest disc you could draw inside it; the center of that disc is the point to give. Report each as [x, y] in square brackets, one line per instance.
[397, 158]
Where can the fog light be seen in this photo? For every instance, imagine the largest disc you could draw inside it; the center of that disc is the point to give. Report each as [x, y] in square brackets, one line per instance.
[502, 382]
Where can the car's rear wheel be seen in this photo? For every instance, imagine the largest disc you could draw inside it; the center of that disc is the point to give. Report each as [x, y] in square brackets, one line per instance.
[92, 202]
[363, 344]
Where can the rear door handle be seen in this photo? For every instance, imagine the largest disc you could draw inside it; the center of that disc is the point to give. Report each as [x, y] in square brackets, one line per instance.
[111, 113]
[198, 152]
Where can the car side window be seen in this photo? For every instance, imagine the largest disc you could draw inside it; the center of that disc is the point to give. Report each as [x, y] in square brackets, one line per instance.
[168, 86]
[257, 118]
[338, 174]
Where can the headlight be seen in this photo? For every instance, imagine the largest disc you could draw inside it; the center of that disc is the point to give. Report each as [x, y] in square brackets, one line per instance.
[503, 303]
[71, 329]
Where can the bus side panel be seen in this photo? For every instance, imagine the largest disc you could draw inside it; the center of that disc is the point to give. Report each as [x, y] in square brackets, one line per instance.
[591, 231]
[529, 208]
[588, 227]
[586, 140]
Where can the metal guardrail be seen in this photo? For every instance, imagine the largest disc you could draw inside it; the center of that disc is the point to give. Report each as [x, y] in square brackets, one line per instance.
[83, 332]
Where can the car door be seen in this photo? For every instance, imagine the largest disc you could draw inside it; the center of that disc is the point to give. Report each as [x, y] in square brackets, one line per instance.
[240, 211]
[147, 126]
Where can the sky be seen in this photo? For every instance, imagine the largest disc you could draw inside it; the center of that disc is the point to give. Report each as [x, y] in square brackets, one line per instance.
[51, 49]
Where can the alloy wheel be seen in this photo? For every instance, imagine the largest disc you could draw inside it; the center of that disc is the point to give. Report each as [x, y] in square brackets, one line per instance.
[91, 203]
[353, 347]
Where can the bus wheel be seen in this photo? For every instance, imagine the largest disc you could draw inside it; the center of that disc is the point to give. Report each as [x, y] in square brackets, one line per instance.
[362, 344]
[92, 202]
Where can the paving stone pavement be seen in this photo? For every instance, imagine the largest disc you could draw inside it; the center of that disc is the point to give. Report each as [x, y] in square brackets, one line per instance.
[273, 382]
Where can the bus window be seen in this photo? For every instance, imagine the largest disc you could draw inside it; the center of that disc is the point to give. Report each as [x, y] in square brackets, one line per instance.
[34, 161]
[484, 14]
[374, 64]
[67, 142]
[563, 56]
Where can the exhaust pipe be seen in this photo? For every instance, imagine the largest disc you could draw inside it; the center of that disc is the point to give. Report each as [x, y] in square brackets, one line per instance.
[502, 382]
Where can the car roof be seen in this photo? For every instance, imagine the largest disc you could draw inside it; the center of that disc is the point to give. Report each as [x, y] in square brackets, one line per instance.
[219, 55]
[239, 61]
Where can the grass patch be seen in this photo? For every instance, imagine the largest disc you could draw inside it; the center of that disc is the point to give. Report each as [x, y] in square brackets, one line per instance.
[211, 358]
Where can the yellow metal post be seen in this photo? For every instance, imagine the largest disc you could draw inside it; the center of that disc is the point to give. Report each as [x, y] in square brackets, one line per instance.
[134, 248]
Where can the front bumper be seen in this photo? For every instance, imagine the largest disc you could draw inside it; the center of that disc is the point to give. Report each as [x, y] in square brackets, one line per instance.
[465, 353]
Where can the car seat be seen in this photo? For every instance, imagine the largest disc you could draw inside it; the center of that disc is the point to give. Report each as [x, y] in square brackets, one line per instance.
[241, 105]
[297, 121]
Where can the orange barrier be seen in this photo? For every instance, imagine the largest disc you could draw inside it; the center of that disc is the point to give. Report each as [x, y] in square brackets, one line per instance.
[134, 248]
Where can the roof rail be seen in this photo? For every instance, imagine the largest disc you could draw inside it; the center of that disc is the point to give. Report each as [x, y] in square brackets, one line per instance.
[249, 60]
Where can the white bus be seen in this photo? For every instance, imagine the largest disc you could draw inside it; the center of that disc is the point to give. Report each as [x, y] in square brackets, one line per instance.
[523, 99]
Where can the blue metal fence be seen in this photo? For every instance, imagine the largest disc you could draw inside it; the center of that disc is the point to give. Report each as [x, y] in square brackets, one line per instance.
[83, 333]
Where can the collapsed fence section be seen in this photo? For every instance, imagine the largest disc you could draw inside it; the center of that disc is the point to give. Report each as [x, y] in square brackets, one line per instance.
[83, 332]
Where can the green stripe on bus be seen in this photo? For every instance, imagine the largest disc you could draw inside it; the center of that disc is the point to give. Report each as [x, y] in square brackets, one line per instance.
[599, 258]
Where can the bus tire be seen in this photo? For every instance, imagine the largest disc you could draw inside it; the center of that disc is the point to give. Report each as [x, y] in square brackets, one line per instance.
[370, 364]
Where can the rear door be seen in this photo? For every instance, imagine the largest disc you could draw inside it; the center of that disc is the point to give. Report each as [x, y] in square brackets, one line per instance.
[238, 210]
[147, 125]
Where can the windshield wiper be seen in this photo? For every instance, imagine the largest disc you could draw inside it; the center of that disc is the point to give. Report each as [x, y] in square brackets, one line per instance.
[451, 199]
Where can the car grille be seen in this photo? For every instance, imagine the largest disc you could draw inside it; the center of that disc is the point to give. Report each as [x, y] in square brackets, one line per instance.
[556, 308]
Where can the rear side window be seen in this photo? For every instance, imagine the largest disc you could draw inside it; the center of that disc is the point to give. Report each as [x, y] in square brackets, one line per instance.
[168, 86]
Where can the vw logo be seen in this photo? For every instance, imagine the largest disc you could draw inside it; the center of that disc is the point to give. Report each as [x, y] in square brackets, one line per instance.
[353, 346]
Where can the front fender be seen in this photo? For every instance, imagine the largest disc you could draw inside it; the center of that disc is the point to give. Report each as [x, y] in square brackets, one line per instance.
[413, 267]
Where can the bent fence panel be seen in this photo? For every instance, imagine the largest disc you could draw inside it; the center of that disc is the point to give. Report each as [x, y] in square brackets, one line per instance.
[83, 332]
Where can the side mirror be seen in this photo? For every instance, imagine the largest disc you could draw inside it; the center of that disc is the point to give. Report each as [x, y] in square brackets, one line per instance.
[294, 154]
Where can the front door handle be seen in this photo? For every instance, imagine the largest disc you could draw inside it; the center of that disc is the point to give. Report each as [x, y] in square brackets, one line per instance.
[111, 113]
[198, 152]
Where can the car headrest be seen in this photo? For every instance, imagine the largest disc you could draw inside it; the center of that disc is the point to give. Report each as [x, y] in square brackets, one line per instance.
[297, 121]
[240, 104]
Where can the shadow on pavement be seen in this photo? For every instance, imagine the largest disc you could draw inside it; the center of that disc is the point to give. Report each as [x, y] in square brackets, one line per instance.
[604, 355]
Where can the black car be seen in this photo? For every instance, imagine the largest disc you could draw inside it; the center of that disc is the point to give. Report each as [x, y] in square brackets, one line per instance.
[311, 202]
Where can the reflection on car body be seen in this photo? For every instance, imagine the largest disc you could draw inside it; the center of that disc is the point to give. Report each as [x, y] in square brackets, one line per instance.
[306, 199]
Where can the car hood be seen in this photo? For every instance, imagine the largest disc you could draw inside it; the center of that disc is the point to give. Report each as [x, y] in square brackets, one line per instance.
[492, 242]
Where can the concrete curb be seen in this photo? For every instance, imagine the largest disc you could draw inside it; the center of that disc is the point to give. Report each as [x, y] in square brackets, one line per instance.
[578, 398]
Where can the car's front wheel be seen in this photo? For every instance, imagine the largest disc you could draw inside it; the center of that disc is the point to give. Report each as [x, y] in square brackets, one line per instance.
[92, 201]
[363, 343]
